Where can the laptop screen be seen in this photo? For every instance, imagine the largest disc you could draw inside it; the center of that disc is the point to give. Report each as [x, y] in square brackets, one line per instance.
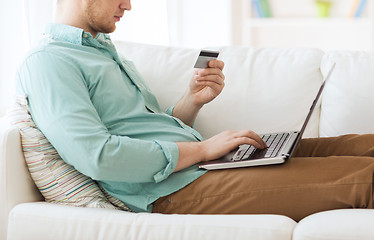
[314, 103]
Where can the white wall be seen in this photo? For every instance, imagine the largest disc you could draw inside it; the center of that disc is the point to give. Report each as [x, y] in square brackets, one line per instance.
[197, 23]
[22, 24]
[145, 23]
[190, 23]
[12, 48]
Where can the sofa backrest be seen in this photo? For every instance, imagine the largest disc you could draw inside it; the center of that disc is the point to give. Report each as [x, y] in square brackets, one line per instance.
[16, 185]
[348, 100]
[267, 90]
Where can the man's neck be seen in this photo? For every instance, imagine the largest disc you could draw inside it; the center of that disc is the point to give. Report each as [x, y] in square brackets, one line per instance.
[69, 14]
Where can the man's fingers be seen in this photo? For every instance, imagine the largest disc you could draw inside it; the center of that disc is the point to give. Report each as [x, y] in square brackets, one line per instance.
[249, 137]
[217, 88]
[212, 79]
[216, 64]
[209, 72]
[250, 141]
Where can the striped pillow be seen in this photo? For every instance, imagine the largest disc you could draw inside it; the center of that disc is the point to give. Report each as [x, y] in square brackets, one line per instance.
[57, 181]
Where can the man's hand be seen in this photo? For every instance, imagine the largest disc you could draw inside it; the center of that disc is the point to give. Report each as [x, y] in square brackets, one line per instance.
[205, 86]
[223, 143]
[213, 148]
[207, 83]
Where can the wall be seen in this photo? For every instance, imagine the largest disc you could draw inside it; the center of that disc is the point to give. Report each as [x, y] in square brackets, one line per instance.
[190, 23]
[12, 48]
[197, 23]
[145, 23]
[22, 24]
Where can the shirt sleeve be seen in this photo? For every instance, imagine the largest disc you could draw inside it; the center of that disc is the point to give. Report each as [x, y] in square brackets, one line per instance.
[60, 105]
[170, 110]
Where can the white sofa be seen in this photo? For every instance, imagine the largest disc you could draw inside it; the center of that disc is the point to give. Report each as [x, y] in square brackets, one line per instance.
[267, 90]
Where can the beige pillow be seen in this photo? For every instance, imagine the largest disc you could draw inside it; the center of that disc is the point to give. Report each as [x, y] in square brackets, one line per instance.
[57, 181]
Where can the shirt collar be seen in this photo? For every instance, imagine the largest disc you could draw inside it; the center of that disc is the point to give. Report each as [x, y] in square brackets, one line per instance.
[67, 33]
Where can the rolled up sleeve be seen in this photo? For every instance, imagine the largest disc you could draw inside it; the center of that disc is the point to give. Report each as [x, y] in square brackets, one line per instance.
[171, 154]
[170, 110]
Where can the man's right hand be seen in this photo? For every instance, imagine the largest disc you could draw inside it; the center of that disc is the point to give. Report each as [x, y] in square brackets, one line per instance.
[215, 147]
[223, 143]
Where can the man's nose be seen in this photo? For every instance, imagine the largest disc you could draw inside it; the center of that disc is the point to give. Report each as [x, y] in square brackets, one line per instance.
[125, 4]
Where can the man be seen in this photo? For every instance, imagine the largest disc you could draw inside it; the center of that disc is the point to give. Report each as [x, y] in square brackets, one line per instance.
[96, 110]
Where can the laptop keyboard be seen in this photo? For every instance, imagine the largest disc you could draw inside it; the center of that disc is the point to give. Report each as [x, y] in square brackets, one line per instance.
[273, 141]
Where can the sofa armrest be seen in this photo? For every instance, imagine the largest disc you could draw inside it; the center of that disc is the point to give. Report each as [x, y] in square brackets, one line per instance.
[16, 185]
[49, 221]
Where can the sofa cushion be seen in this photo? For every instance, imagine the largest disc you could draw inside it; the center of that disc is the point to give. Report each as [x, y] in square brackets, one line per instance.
[348, 102]
[347, 224]
[28, 220]
[57, 181]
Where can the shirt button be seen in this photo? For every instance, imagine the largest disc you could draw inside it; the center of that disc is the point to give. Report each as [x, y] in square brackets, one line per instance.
[85, 35]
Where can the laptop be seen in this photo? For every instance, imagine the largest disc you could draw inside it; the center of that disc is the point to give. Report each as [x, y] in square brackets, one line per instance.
[281, 146]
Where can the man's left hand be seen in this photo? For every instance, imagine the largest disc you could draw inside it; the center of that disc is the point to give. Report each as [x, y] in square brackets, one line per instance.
[207, 83]
[205, 86]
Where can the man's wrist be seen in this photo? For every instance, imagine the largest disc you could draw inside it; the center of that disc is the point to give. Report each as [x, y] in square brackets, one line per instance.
[189, 99]
[190, 153]
[186, 110]
[202, 151]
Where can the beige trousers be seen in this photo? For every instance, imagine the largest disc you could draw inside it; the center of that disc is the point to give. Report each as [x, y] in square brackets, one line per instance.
[324, 174]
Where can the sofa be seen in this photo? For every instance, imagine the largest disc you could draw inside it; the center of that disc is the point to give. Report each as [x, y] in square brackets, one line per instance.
[267, 90]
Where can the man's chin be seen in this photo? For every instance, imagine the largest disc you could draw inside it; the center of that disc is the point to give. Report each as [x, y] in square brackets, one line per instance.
[108, 30]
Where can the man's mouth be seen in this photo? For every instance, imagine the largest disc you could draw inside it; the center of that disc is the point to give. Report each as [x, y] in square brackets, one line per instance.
[118, 18]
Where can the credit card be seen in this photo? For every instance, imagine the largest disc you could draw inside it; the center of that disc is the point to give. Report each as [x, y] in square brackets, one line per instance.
[204, 57]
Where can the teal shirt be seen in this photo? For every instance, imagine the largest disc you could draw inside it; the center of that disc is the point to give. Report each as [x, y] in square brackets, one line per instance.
[96, 110]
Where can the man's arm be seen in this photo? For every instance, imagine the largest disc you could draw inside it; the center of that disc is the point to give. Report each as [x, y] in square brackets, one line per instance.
[205, 86]
[213, 148]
